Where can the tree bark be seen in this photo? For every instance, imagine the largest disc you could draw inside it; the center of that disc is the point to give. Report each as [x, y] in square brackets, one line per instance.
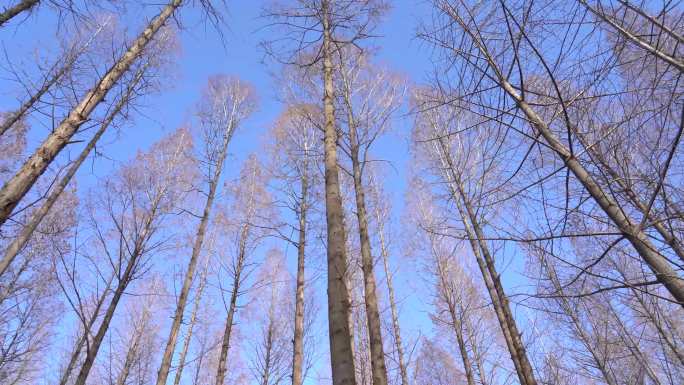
[20, 241]
[378, 368]
[165, 366]
[298, 337]
[339, 304]
[15, 188]
[22, 6]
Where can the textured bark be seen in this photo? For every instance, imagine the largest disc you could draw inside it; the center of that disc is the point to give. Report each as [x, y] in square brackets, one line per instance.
[339, 304]
[165, 366]
[232, 307]
[378, 368]
[298, 337]
[21, 6]
[491, 278]
[37, 216]
[15, 188]
[191, 326]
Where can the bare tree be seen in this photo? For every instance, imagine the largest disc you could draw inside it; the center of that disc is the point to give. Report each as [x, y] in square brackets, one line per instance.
[14, 189]
[295, 152]
[369, 97]
[326, 26]
[250, 204]
[226, 103]
[136, 202]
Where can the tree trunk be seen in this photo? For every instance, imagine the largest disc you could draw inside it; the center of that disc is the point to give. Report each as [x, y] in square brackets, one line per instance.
[339, 304]
[631, 231]
[15, 189]
[390, 288]
[378, 367]
[20, 241]
[165, 366]
[130, 357]
[298, 337]
[64, 379]
[490, 276]
[191, 326]
[232, 307]
[23, 5]
[104, 326]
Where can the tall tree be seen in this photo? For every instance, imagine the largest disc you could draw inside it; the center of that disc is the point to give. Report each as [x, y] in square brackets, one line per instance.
[226, 102]
[14, 189]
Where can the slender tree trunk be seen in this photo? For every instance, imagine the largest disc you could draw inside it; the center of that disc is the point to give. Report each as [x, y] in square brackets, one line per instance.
[21, 6]
[104, 325]
[581, 333]
[133, 351]
[37, 216]
[477, 356]
[15, 188]
[491, 277]
[165, 366]
[232, 308]
[64, 379]
[339, 304]
[390, 288]
[191, 326]
[298, 337]
[378, 367]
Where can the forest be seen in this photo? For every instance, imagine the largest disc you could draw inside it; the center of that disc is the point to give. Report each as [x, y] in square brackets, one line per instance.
[343, 192]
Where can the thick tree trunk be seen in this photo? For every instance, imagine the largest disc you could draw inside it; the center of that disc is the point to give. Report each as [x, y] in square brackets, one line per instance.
[393, 303]
[21, 6]
[165, 366]
[298, 337]
[490, 276]
[232, 308]
[377, 353]
[15, 188]
[339, 304]
[37, 216]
